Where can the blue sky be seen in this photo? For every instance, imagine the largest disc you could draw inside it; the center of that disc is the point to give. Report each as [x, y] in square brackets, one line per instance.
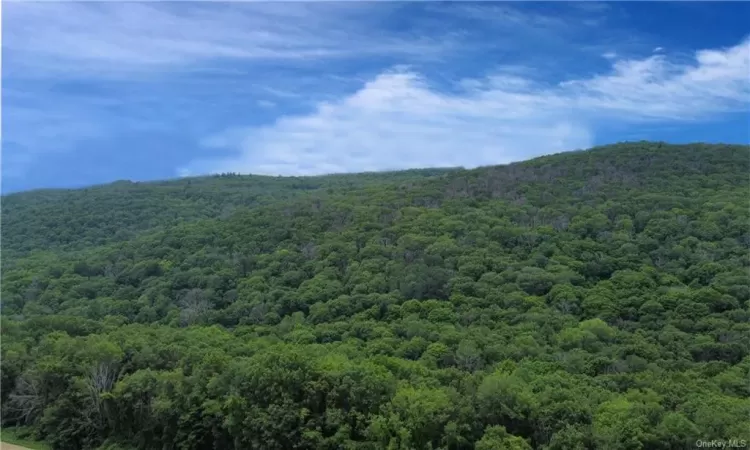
[98, 92]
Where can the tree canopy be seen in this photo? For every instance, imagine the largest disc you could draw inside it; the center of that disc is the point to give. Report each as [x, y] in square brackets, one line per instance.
[587, 300]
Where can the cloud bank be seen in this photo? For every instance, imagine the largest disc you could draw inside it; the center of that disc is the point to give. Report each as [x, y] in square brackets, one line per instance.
[398, 120]
[306, 88]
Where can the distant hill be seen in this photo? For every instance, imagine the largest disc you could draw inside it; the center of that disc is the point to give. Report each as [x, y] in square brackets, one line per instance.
[75, 218]
[588, 300]
[116, 212]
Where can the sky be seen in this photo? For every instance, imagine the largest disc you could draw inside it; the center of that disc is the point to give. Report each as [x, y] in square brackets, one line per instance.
[94, 92]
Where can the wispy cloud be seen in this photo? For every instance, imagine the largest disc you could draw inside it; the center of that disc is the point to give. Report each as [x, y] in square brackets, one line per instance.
[32, 126]
[74, 39]
[154, 64]
[398, 120]
[477, 83]
[78, 71]
[715, 82]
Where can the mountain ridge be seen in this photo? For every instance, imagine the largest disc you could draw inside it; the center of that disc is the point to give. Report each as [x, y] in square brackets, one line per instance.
[218, 195]
[589, 300]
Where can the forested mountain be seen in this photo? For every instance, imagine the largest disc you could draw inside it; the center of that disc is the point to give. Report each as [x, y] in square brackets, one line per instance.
[116, 212]
[587, 300]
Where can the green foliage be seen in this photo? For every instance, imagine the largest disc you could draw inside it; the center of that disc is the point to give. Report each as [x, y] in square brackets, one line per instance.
[22, 437]
[595, 299]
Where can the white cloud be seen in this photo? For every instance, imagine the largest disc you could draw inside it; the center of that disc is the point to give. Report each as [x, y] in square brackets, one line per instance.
[394, 120]
[717, 81]
[74, 39]
[399, 121]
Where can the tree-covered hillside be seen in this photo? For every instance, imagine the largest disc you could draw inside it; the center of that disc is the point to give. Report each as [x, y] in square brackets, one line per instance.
[588, 300]
[98, 215]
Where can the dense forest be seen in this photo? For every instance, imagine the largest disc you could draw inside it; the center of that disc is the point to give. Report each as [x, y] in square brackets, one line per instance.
[588, 300]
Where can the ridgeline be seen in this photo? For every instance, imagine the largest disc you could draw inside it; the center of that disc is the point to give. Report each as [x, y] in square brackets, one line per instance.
[586, 300]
